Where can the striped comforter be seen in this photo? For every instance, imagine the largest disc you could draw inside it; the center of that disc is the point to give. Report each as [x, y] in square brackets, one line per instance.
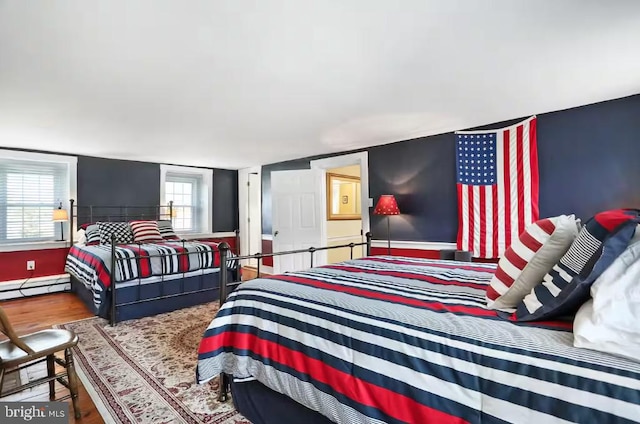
[92, 264]
[397, 340]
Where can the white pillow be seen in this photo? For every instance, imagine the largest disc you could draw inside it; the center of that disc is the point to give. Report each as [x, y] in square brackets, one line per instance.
[609, 322]
[81, 237]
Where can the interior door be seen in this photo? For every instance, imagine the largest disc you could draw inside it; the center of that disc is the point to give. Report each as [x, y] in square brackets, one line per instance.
[298, 217]
[254, 216]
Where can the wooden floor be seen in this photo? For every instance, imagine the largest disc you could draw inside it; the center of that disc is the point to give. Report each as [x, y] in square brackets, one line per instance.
[41, 312]
[249, 273]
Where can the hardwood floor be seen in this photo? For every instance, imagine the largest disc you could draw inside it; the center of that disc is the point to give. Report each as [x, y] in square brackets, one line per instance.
[41, 312]
[249, 273]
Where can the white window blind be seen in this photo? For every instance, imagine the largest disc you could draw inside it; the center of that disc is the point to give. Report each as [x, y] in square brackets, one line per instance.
[185, 190]
[29, 191]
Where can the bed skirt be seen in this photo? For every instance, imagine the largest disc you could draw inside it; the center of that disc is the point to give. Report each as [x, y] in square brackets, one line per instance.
[261, 405]
[149, 292]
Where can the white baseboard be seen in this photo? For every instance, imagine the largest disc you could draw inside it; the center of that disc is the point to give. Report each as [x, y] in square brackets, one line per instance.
[356, 237]
[207, 235]
[266, 269]
[418, 245]
[33, 286]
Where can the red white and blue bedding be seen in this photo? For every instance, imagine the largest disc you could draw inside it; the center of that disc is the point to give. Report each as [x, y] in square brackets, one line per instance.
[91, 265]
[399, 340]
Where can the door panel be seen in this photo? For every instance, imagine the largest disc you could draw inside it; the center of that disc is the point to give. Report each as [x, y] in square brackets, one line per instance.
[297, 217]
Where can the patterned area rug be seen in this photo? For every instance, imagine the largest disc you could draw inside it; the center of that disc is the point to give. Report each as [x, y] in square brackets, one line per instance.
[143, 370]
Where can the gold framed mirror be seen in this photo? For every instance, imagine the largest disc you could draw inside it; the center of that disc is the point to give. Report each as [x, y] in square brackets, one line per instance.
[343, 197]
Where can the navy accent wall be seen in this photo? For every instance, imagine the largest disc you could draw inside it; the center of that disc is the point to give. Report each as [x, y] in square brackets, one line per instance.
[589, 158]
[421, 174]
[225, 200]
[117, 182]
[122, 182]
[589, 161]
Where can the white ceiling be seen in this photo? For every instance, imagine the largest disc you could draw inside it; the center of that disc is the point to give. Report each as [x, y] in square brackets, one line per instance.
[236, 83]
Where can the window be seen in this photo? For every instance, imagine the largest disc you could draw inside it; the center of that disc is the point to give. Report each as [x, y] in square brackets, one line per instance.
[190, 191]
[183, 192]
[31, 186]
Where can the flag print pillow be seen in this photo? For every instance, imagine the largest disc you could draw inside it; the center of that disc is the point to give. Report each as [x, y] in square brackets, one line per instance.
[120, 230]
[528, 259]
[566, 287]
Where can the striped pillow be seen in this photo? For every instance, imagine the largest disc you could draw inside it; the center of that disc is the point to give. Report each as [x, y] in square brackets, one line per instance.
[566, 286]
[166, 230]
[528, 259]
[92, 234]
[145, 231]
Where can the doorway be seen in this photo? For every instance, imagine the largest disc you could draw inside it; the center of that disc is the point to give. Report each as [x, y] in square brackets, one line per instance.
[345, 231]
[250, 212]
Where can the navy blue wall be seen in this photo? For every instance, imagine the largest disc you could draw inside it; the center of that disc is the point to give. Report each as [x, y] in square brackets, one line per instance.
[421, 174]
[131, 183]
[115, 182]
[589, 160]
[225, 200]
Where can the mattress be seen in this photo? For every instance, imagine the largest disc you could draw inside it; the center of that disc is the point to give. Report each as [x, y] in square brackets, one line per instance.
[396, 340]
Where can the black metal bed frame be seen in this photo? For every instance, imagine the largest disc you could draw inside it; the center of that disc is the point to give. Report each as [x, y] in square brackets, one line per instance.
[127, 213]
[227, 287]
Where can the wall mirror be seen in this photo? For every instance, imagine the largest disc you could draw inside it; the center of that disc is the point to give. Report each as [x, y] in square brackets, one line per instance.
[343, 197]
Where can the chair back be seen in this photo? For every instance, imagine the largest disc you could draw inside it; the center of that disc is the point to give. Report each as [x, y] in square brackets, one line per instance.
[7, 329]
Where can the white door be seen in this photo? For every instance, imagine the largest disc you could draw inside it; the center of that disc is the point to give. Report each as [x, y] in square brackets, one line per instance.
[298, 217]
[254, 216]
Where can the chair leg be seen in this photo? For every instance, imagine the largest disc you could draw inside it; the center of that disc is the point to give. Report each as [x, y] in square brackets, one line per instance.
[73, 381]
[51, 371]
[1, 379]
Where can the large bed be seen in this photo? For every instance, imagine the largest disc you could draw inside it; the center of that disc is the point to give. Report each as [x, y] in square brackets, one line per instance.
[129, 263]
[396, 340]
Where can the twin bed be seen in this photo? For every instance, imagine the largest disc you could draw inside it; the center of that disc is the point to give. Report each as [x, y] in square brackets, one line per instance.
[403, 340]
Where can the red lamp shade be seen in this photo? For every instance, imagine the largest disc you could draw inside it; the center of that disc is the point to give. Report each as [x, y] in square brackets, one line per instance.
[387, 205]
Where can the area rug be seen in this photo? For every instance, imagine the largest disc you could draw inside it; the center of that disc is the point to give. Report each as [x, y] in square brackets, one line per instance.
[143, 371]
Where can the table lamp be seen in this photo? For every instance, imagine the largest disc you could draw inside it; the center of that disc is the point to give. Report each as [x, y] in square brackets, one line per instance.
[60, 215]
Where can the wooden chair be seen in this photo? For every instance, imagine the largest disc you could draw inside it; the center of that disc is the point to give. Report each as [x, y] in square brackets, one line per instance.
[18, 353]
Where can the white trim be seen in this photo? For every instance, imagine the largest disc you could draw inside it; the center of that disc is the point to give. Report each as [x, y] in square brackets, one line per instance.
[35, 245]
[418, 245]
[34, 286]
[264, 269]
[243, 208]
[267, 237]
[72, 168]
[360, 158]
[195, 236]
[207, 179]
[344, 238]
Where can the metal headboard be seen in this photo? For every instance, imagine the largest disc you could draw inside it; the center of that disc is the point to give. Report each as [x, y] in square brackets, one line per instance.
[79, 215]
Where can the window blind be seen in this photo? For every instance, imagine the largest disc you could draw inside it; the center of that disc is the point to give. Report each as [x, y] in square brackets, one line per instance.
[29, 191]
[185, 190]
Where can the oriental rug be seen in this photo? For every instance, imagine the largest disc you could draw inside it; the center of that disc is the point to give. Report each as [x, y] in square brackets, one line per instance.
[143, 371]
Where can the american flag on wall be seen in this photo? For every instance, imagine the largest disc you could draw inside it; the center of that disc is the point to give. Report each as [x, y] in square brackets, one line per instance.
[497, 175]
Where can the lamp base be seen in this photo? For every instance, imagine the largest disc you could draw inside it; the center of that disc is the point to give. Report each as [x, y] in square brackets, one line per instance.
[388, 236]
